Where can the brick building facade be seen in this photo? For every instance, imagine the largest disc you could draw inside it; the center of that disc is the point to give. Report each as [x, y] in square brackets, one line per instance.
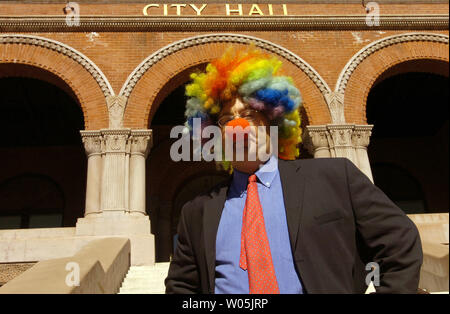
[124, 64]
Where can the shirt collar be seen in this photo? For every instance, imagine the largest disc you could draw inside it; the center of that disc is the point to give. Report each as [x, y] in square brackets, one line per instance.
[268, 171]
[266, 174]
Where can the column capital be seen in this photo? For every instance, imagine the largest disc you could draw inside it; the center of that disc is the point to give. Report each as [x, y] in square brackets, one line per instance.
[361, 135]
[92, 141]
[316, 138]
[116, 140]
[341, 134]
[141, 142]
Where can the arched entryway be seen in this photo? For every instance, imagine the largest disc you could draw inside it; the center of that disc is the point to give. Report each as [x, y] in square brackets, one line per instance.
[408, 106]
[43, 177]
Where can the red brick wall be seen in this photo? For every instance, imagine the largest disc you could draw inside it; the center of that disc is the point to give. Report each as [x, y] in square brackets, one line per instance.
[117, 54]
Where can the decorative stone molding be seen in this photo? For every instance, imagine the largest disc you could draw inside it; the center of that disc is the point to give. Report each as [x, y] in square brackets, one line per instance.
[116, 109]
[61, 48]
[342, 140]
[140, 70]
[335, 102]
[116, 140]
[361, 139]
[361, 136]
[141, 142]
[317, 139]
[220, 23]
[92, 141]
[373, 47]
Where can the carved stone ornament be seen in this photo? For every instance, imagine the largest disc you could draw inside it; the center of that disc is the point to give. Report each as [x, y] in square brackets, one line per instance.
[335, 102]
[361, 136]
[92, 141]
[341, 134]
[116, 141]
[116, 109]
[141, 142]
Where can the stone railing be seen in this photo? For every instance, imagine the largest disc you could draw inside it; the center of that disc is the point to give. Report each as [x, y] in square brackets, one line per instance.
[433, 230]
[99, 267]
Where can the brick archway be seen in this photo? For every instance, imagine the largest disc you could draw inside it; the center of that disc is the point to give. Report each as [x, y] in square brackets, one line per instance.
[371, 62]
[85, 79]
[163, 71]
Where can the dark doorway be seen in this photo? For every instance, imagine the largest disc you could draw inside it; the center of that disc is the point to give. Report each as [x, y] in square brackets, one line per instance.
[43, 163]
[409, 143]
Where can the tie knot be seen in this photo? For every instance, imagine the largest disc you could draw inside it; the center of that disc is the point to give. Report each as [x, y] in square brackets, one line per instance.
[252, 178]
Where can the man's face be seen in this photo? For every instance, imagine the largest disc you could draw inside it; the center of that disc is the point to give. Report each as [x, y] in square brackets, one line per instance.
[239, 113]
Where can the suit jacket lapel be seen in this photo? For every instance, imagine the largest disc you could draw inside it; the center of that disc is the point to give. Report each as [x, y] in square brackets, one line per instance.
[293, 184]
[211, 217]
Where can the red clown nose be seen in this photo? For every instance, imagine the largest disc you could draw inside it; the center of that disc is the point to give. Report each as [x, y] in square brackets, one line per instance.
[243, 123]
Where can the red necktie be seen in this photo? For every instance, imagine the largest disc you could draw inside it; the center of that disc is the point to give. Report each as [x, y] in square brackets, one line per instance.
[255, 250]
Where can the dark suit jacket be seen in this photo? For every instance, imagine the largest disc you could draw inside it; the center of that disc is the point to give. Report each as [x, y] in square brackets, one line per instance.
[337, 220]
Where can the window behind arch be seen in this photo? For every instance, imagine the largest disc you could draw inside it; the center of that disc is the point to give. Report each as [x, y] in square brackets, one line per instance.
[31, 201]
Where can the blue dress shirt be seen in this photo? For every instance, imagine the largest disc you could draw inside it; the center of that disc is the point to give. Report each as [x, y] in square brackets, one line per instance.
[230, 278]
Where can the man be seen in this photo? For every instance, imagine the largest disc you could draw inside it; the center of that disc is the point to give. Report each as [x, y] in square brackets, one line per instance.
[279, 226]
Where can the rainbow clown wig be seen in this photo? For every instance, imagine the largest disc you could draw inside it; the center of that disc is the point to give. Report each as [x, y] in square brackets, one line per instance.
[254, 76]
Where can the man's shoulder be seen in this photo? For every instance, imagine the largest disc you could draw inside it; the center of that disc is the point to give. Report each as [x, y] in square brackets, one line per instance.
[195, 206]
[318, 164]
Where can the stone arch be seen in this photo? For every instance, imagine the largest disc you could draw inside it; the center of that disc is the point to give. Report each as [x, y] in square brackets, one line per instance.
[368, 65]
[86, 80]
[154, 74]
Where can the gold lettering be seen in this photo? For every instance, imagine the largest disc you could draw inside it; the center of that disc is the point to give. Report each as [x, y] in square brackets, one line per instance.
[165, 9]
[178, 6]
[238, 10]
[199, 11]
[270, 9]
[255, 10]
[148, 6]
[285, 9]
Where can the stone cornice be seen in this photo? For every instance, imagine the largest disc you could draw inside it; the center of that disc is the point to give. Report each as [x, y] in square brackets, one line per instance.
[108, 2]
[221, 23]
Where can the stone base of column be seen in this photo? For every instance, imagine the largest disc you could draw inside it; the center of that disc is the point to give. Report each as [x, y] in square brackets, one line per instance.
[136, 228]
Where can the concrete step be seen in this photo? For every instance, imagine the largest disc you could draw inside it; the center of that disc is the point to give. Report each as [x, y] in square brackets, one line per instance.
[145, 279]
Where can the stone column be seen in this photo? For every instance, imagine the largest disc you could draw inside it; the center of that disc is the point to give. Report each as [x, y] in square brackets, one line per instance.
[141, 143]
[114, 192]
[121, 185]
[361, 139]
[318, 141]
[92, 141]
